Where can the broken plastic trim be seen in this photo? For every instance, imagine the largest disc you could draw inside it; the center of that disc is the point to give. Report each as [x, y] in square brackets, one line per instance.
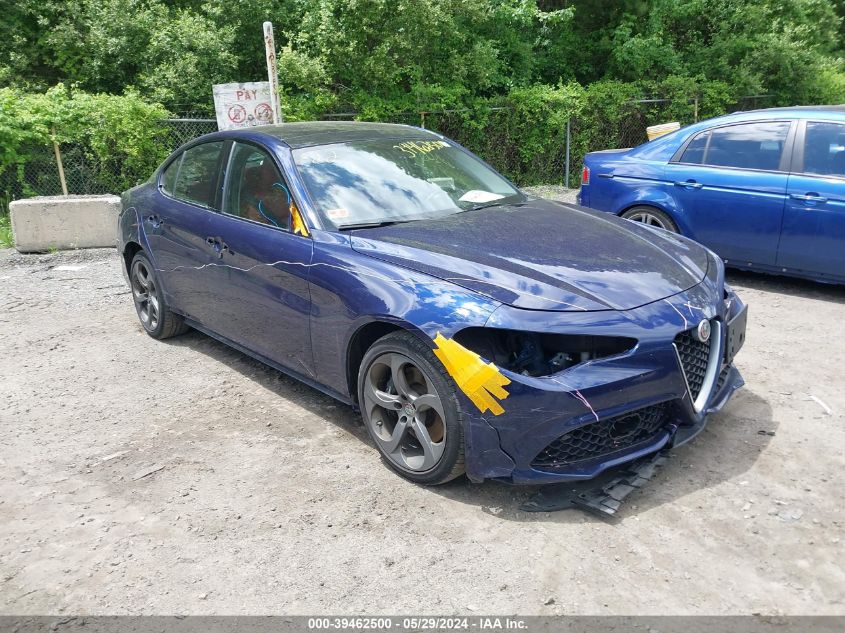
[603, 495]
[536, 354]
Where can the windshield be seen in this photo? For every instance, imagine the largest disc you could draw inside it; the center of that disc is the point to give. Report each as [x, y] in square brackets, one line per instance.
[395, 180]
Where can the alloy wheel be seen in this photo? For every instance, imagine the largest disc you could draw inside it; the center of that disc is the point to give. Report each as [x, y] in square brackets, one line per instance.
[647, 218]
[145, 295]
[404, 412]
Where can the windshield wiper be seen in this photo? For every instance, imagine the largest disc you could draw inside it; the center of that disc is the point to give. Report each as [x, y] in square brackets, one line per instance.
[369, 225]
[482, 205]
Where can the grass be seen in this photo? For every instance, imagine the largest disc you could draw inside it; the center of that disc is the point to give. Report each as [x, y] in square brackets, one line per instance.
[6, 240]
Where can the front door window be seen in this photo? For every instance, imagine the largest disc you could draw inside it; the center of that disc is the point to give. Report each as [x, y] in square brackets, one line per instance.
[256, 190]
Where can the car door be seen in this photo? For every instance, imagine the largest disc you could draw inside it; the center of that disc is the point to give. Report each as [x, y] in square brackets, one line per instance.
[176, 223]
[813, 237]
[260, 278]
[730, 182]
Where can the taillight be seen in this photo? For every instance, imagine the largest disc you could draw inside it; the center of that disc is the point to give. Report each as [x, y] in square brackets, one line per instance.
[585, 176]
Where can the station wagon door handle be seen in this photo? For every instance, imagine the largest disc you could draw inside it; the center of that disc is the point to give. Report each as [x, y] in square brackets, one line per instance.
[809, 198]
[688, 184]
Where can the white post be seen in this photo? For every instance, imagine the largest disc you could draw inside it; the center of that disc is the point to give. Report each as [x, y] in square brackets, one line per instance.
[272, 71]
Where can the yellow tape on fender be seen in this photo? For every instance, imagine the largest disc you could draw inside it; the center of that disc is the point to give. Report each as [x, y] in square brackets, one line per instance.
[482, 383]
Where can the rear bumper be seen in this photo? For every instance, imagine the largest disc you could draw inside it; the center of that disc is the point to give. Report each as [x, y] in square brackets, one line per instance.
[610, 404]
[582, 198]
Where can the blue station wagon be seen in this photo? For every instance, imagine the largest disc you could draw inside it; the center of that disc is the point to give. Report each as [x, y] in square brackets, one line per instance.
[765, 189]
[478, 330]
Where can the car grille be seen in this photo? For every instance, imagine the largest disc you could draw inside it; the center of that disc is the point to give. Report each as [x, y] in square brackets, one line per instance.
[603, 437]
[723, 376]
[694, 356]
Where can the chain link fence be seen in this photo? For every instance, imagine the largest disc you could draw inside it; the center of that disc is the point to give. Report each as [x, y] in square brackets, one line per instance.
[490, 136]
[83, 172]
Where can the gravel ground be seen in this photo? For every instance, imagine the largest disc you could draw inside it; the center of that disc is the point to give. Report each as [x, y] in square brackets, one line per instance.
[145, 477]
[552, 192]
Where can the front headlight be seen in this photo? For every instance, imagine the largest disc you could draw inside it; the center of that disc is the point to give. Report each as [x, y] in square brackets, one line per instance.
[538, 354]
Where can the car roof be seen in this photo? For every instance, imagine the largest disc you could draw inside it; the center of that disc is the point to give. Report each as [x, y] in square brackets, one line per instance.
[792, 112]
[668, 143]
[811, 109]
[310, 133]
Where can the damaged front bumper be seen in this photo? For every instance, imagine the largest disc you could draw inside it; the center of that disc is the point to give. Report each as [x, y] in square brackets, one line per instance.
[583, 421]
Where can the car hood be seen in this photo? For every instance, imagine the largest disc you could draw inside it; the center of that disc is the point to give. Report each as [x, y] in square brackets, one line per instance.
[543, 255]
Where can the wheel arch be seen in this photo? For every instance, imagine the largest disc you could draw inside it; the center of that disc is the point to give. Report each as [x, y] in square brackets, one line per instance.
[131, 249]
[363, 339]
[662, 204]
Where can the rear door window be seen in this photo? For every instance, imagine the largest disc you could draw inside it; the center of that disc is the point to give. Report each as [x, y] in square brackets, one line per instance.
[197, 174]
[824, 149]
[746, 146]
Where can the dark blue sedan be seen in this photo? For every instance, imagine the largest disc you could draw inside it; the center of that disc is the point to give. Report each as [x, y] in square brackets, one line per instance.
[477, 329]
[765, 189]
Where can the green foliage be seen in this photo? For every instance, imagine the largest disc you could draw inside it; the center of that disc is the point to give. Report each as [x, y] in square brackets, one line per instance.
[119, 136]
[456, 60]
[6, 237]
[384, 56]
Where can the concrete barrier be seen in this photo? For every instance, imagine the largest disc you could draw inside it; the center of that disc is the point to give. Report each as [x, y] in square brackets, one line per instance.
[64, 222]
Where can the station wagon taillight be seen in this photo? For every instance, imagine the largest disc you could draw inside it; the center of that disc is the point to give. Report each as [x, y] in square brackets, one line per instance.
[585, 176]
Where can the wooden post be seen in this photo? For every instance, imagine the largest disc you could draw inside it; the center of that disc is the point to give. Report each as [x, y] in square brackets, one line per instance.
[272, 72]
[59, 164]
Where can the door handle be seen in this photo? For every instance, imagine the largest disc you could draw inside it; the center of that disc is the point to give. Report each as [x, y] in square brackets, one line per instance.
[218, 245]
[808, 198]
[155, 220]
[688, 184]
[607, 175]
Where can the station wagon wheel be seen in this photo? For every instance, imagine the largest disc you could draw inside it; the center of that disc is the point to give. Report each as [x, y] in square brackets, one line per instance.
[652, 217]
[410, 410]
[155, 316]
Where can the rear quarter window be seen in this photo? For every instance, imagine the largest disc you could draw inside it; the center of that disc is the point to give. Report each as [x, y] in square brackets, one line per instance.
[168, 178]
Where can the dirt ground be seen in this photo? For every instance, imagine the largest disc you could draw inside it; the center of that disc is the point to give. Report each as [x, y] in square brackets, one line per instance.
[145, 477]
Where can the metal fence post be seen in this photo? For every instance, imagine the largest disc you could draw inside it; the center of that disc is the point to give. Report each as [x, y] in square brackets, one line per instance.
[568, 141]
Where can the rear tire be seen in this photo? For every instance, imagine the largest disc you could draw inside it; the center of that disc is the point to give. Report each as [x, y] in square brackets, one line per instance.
[411, 409]
[156, 318]
[651, 217]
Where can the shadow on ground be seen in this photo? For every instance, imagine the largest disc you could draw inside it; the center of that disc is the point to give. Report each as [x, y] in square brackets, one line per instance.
[785, 285]
[728, 446]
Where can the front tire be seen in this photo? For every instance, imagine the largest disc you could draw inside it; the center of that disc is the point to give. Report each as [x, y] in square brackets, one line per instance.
[411, 409]
[156, 318]
[652, 217]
